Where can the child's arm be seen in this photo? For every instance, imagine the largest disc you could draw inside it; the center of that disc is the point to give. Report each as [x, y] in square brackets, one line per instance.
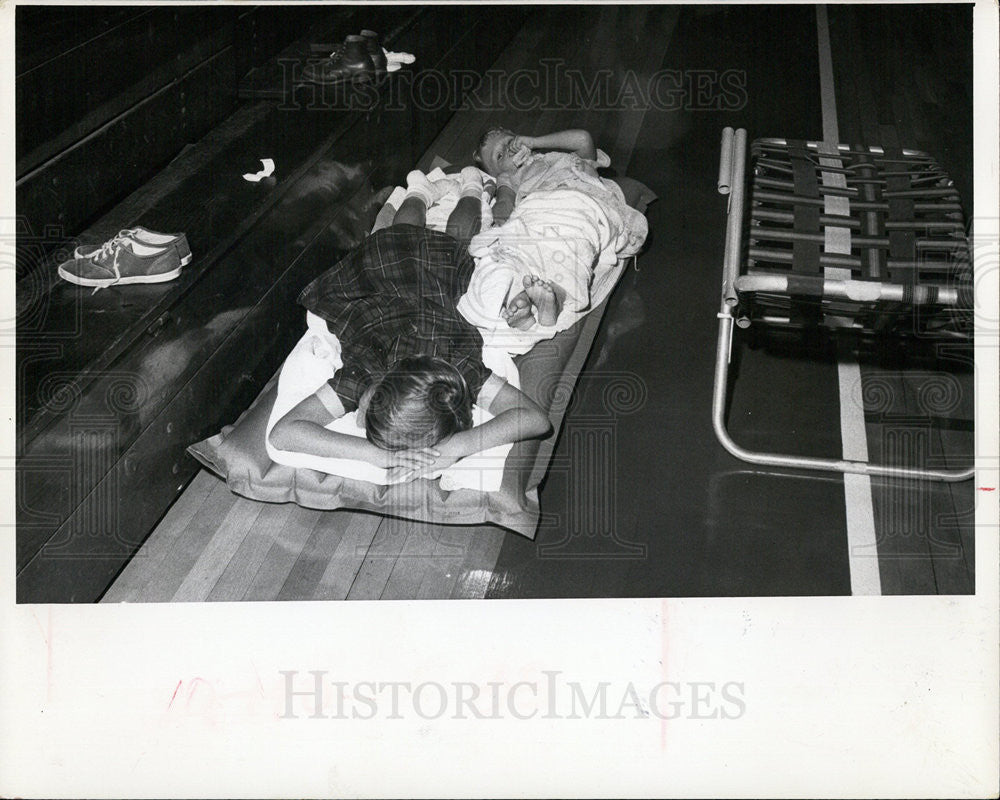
[302, 430]
[516, 417]
[574, 140]
[504, 203]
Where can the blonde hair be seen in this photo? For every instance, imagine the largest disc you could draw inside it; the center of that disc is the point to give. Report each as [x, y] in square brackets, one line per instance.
[417, 402]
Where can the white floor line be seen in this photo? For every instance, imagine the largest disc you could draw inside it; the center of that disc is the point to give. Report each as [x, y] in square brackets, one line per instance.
[861, 547]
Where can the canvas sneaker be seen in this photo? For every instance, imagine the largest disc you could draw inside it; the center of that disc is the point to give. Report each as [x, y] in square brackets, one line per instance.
[146, 237]
[123, 260]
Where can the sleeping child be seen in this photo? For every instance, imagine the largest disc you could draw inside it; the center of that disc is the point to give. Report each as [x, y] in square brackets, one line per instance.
[412, 365]
[504, 155]
[560, 233]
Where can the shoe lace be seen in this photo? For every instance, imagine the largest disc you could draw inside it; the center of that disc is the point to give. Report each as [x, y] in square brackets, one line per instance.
[111, 249]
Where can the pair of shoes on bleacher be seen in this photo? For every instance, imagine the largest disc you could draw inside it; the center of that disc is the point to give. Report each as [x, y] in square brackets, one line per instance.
[135, 255]
[356, 58]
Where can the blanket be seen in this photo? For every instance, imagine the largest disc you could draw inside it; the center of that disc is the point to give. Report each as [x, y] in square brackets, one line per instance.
[554, 170]
[573, 228]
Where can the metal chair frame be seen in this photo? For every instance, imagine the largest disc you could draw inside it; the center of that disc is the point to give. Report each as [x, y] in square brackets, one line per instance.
[732, 169]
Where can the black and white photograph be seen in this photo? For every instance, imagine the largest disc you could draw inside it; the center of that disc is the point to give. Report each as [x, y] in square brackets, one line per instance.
[659, 316]
[200, 250]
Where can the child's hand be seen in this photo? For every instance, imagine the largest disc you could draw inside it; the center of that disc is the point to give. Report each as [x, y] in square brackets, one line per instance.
[520, 150]
[520, 142]
[445, 454]
[403, 465]
[400, 475]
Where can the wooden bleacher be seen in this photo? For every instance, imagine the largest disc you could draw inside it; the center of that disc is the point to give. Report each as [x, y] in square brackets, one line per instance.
[114, 385]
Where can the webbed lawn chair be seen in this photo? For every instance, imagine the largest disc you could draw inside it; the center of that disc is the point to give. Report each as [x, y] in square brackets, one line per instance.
[843, 237]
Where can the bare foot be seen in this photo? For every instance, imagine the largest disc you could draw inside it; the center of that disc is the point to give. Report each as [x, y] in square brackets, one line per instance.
[518, 312]
[544, 298]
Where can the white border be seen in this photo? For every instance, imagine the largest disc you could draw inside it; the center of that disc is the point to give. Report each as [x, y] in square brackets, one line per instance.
[844, 696]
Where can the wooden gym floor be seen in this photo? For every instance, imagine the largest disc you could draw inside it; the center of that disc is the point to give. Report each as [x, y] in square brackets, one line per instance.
[666, 512]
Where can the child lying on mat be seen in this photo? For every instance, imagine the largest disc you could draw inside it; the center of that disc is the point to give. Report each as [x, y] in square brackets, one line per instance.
[519, 163]
[560, 230]
[539, 301]
[412, 366]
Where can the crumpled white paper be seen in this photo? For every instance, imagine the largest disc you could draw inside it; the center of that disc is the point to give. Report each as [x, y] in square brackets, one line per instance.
[267, 172]
[396, 60]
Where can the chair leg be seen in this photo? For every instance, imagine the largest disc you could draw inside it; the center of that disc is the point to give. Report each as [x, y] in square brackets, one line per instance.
[799, 462]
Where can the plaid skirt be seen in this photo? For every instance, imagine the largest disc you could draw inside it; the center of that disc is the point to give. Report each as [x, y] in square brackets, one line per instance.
[394, 296]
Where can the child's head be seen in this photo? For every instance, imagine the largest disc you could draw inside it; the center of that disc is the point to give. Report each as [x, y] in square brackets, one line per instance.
[493, 150]
[417, 403]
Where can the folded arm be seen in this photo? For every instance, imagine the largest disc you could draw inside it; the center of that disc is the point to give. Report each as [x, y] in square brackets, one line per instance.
[303, 430]
[516, 417]
[574, 140]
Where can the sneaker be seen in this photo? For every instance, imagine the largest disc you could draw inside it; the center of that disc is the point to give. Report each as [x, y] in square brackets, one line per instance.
[147, 237]
[123, 260]
[349, 61]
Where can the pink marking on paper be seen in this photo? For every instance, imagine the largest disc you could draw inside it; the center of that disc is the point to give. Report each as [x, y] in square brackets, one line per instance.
[260, 684]
[177, 688]
[195, 683]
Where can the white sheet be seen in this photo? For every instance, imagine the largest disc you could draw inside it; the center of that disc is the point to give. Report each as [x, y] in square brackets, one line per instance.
[578, 235]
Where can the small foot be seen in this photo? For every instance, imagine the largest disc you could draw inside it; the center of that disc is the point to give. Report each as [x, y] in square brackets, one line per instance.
[518, 312]
[544, 298]
[417, 182]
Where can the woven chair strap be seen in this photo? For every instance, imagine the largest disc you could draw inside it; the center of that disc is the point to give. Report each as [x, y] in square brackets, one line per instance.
[805, 251]
[872, 222]
[902, 242]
